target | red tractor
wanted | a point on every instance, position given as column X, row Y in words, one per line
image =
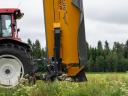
column 15, row 56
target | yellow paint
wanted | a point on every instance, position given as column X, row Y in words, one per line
column 56, row 25
column 66, row 15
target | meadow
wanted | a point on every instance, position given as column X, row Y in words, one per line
column 99, row 84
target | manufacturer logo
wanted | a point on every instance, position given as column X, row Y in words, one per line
column 62, row 5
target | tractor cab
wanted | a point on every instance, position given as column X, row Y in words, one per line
column 8, row 24
column 15, row 58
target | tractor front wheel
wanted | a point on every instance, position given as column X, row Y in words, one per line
column 15, row 62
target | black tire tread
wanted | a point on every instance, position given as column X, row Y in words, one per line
column 19, row 52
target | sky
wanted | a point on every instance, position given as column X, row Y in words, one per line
column 104, row 20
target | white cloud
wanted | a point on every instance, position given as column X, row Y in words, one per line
column 107, row 10
column 105, row 20
column 98, row 30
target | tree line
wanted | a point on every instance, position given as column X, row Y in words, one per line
column 39, row 55
column 100, row 59
column 106, row 59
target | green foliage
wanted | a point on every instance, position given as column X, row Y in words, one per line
column 39, row 53
column 100, row 59
column 105, row 59
column 109, row 84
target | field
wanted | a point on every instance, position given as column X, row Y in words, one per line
column 99, row 84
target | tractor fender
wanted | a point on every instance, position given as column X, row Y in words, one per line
column 16, row 42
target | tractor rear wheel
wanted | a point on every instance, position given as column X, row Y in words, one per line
column 80, row 77
column 15, row 62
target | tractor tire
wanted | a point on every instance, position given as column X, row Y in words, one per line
column 14, row 59
column 80, row 77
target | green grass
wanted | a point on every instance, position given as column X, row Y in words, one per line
column 99, row 84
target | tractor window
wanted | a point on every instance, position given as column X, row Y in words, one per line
column 6, row 25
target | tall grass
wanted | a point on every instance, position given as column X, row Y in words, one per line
column 111, row 84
